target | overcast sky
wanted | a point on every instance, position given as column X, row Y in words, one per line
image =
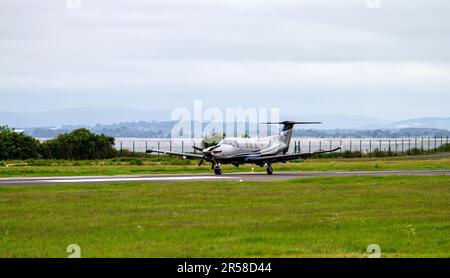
column 304, row 57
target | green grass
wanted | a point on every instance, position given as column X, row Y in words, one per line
column 166, row 165
column 314, row 217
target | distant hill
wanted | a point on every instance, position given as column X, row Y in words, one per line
column 110, row 115
column 332, row 121
column 439, row 123
column 124, row 122
column 163, row 129
column 80, row 116
column 372, row 133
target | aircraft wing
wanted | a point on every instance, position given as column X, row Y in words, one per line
column 185, row 155
column 285, row 157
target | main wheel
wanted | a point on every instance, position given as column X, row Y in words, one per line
column 269, row 170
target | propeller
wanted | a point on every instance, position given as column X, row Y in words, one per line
column 206, row 153
column 201, row 161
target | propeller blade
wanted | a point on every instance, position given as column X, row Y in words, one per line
column 197, row 149
column 201, row 162
column 210, row 149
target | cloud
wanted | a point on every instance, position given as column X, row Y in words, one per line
column 311, row 50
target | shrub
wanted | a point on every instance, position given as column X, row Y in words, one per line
column 209, row 141
column 444, row 148
column 16, row 145
column 80, row 144
column 136, row 161
column 351, row 154
column 378, row 153
column 414, row 151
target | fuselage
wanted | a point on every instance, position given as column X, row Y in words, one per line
column 233, row 149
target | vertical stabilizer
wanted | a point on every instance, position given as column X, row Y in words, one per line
column 286, row 132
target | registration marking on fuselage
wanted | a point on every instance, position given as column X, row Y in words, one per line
column 136, row 179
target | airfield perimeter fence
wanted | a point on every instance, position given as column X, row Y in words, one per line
column 351, row 147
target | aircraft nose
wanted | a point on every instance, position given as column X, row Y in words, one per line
column 223, row 150
column 217, row 150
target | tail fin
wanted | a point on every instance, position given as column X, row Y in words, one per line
column 286, row 132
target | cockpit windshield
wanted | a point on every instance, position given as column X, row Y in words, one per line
column 226, row 142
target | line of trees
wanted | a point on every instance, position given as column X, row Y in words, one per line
column 80, row 144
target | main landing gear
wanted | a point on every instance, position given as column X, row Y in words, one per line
column 269, row 169
column 218, row 170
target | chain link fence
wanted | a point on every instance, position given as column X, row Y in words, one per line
column 362, row 146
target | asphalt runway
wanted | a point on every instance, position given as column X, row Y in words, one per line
column 262, row 176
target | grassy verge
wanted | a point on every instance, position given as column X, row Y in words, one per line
column 317, row 217
column 165, row 165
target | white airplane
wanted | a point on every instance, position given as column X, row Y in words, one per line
column 260, row 151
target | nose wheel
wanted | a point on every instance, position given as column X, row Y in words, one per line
column 217, row 170
column 269, row 169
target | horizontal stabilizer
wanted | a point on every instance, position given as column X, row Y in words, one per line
column 291, row 123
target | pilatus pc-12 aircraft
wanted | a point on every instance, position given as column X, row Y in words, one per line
column 260, row 151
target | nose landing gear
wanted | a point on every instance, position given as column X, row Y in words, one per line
column 217, row 169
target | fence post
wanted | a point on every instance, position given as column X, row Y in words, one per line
column 422, row 145
column 146, row 148
column 121, row 146
column 158, row 147
column 389, row 147
column 360, row 148
column 350, row 145
column 170, row 145
column 428, row 144
column 331, row 146
column 134, row 149
column 182, row 146
column 380, row 146
column 370, row 148
column 415, row 143
column 396, row 147
column 403, row 146
column 310, row 146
